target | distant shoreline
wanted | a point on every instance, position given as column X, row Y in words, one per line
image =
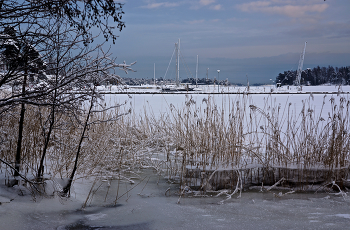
column 247, row 93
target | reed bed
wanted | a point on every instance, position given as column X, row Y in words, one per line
column 214, row 147
column 203, row 146
column 108, row 151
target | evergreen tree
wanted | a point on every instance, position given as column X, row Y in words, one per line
column 317, row 76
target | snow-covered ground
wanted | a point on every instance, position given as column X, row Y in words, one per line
column 228, row 89
column 159, row 104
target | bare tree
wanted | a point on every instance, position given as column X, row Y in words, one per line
column 59, row 33
column 33, row 18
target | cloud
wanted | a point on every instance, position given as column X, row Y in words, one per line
column 196, row 22
column 210, row 4
column 286, row 8
column 253, row 6
column 234, row 19
column 217, row 7
column 206, row 2
column 154, row 5
column 330, row 30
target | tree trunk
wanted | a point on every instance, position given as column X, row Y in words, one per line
column 66, row 189
column 20, row 130
column 47, row 139
column 52, row 114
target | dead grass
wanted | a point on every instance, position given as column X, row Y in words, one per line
column 202, row 145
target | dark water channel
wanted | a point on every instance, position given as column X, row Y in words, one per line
column 148, row 207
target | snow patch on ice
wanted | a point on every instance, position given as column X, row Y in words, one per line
column 346, row 216
column 4, row 200
column 97, row 216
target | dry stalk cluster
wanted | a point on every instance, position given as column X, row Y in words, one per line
column 112, row 149
column 203, row 146
column 211, row 147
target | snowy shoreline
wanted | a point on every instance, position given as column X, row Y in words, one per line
column 214, row 89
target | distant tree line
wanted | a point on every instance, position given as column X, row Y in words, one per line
column 317, row 76
column 205, row 81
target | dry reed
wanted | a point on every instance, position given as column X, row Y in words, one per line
column 202, row 145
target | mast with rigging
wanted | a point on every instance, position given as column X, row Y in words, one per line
column 300, row 67
column 178, row 63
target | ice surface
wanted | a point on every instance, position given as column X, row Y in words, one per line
column 160, row 104
column 347, row 216
column 155, row 210
column 264, row 89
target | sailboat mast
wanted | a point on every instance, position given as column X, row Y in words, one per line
column 300, row 67
column 178, row 64
column 154, row 77
column 197, row 71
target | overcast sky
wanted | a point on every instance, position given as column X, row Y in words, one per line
column 243, row 37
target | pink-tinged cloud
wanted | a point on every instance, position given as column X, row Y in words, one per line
column 287, row 10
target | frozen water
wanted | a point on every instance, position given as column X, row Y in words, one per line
column 147, row 207
column 159, row 104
